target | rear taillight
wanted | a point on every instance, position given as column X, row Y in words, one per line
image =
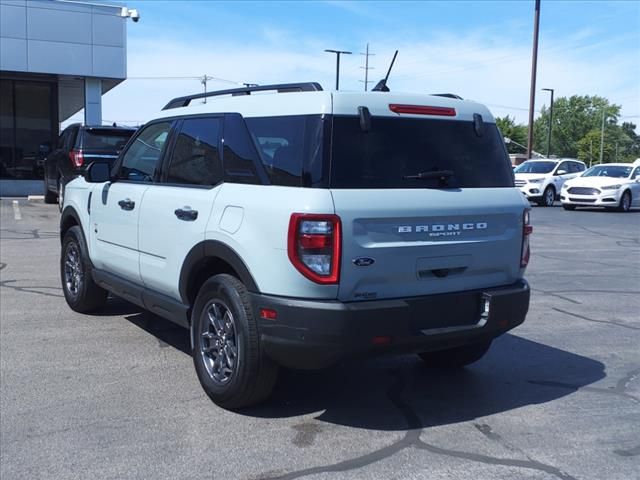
column 527, row 229
column 314, row 246
column 77, row 157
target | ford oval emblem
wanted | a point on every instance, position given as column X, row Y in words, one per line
column 363, row 261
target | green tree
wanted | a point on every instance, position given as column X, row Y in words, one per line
column 573, row 119
column 517, row 133
column 633, row 147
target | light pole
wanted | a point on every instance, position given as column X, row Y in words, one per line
column 534, row 66
column 602, row 137
column 338, row 52
column 550, row 120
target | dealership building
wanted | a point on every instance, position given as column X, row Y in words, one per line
column 56, row 58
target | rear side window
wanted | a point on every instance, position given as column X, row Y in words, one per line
column 239, row 153
column 396, row 149
column 103, row 139
column 195, row 159
column 291, row 149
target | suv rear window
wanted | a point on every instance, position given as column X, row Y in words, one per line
column 103, row 139
column 395, row 148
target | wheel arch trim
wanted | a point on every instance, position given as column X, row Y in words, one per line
column 69, row 213
column 213, row 249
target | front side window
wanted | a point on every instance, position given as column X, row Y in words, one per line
column 563, row 166
column 196, row 159
column 141, row 158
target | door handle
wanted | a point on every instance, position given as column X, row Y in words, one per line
column 127, row 204
column 186, row 214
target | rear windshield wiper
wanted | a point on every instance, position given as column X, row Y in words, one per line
column 441, row 175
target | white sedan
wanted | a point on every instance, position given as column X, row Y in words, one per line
column 609, row 185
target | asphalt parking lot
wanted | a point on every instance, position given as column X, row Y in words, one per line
column 116, row 396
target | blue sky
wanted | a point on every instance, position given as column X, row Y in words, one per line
column 478, row 49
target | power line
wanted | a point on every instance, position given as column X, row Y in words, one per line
column 195, row 77
column 366, row 68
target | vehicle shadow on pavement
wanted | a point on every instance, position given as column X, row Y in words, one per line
column 382, row 393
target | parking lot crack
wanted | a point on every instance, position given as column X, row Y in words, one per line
column 30, row 288
column 488, row 460
column 609, row 322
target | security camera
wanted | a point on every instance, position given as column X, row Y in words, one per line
column 135, row 15
column 132, row 13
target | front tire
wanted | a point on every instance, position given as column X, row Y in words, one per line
column 625, row 202
column 548, row 197
column 232, row 368
column 569, row 207
column 456, row 357
column 80, row 291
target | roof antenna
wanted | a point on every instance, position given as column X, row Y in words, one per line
column 381, row 86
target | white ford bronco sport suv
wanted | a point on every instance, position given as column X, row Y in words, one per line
column 300, row 227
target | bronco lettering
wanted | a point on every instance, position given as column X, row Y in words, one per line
column 442, row 227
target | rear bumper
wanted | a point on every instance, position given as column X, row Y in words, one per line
column 316, row 334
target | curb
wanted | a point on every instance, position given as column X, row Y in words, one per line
column 35, row 198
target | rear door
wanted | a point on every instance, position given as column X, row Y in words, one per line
column 175, row 212
column 427, row 206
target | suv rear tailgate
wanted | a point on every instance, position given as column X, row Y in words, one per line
column 471, row 240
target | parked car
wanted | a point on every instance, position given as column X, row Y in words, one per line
column 541, row 180
column 615, row 186
column 78, row 146
column 306, row 227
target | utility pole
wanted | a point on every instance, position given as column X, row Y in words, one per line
column 550, row 121
column 338, row 52
column 602, row 137
column 366, row 67
column 203, row 80
column 534, row 66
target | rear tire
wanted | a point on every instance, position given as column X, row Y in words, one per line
column 232, row 368
column 569, row 207
column 49, row 196
column 625, row 202
column 456, row 357
column 80, row 291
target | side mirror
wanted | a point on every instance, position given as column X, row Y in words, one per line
column 97, row 172
column 561, row 172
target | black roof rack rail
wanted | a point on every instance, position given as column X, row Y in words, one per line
column 280, row 88
column 448, row 95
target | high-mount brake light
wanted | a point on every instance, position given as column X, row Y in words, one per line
column 313, row 246
column 77, row 157
column 527, row 229
column 422, row 110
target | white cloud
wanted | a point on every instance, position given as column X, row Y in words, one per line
column 476, row 65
